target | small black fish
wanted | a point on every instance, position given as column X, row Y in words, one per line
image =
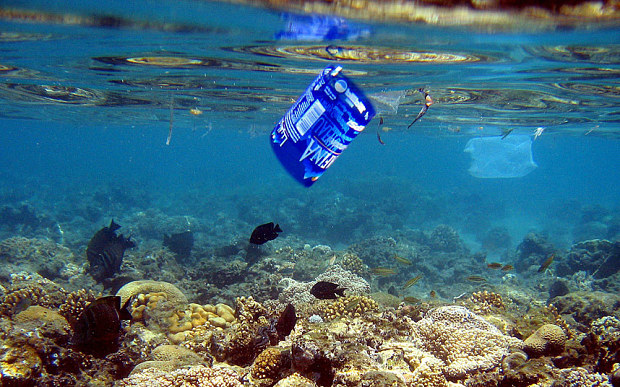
column 181, row 244
column 286, row 322
column 324, row 290
column 98, row 327
column 265, row 233
column 105, row 252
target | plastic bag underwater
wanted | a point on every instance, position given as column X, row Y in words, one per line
column 320, row 125
column 494, row 157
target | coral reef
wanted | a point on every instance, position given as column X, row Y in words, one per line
column 485, row 302
column 532, row 251
column 463, row 340
column 588, row 306
column 549, row 339
column 170, row 292
column 581, row 377
column 182, row 323
column 599, row 257
column 197, row 376
column 349, row 306
column 295, row 380
column 269, row 366
column 354, row 264
column 299, row 292
column 445, row 238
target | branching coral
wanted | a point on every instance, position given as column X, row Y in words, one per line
column 485, row 301
column 75, row 303
column 197, row 376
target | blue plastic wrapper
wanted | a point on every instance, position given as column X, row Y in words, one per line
column 320, row 125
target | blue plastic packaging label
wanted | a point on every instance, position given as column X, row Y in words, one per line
column 320, row 125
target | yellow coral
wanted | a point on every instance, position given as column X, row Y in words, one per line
column 463, row 340
column 295, row 380
column 38, row 317
column 197, row 376
column 354, row 264
column 547, row 340
column 181, row 322
column 19, row 366
column 268, row 365
column 349, row 306
column 75, row 303
column 485, row 301
column 156, row 288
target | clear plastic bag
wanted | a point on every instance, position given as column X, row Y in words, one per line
column 494, row 157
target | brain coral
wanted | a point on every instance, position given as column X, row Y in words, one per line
column 134, row 288
column 197, row 376
column 463, row 340
column 547, row 340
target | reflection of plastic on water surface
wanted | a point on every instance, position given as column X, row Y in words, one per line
column 319, row 27
column 494, row 157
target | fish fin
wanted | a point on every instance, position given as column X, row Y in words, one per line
column 114, row 226
column 277, row 228
column 123, row 312
column 340, row 291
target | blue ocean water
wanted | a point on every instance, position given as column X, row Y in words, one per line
column 78, row 111
column 157, row 115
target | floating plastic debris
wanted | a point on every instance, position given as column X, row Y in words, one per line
column 320, row 125
column 494, row 157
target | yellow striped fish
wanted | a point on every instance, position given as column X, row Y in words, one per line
column 402, row 260
column 412, row 281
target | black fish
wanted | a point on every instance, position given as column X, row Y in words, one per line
column 286, row 322
column 105, row 252
column 324, row 290
column 264, row 233
column 181, row 244
column 98, row 328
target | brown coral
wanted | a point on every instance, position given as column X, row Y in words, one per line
column 268, row 366
column 349, row 306
column 16, row 300
column 75, row 303
column 485, row 302
column 295, row 380
column 463, row 340
column 549, row 339
column 170, row 292
column 353, row 263
column 197, row 376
